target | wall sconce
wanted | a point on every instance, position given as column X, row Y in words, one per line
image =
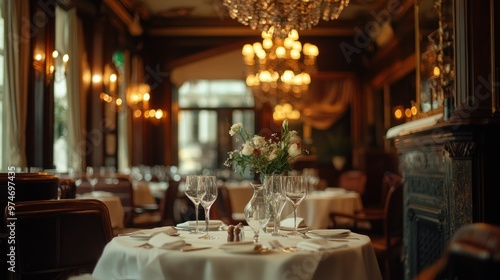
column 138, row 100
column 110, row 85
column 400, row 112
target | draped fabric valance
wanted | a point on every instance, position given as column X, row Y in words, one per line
column 326, row 101
column 329, row 94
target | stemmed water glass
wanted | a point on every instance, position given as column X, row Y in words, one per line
column 193, row 193
column 207, row 188
column 275, row 194
column 92, row 177
column 295, row 191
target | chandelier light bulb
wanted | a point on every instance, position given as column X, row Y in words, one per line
column 247, row 50
column 267, row 43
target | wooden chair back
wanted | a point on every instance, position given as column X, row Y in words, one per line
column 167, row 205
column 56, row 239
column 353, row 180
column 118, row 186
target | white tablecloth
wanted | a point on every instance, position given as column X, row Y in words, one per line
column 317, row 205
column 112, row 202
column 123, row 259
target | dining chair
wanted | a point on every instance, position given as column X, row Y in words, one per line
column 117, row 185
column 168, row 204
column 27, row 187
column 228, row 216
column 386, row 242
column 353, row 180
column 56, row 239
column 473, row 253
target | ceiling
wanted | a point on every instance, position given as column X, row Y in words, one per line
column 210, row 17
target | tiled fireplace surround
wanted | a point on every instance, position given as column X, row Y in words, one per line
column 451, row 174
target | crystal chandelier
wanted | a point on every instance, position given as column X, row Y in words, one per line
column 284, row 15
column 276, row 69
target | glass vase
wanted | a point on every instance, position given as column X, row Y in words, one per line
column 257, row 210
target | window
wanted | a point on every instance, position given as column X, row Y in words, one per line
column 207, row 108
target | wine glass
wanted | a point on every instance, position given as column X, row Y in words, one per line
column 192, row 191
column 275, row 194
column 257, row 211
column 295, row 191
column 92, row 177
column 207, row 191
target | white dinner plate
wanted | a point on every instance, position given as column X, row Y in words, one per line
column 330, row 233
column 302, row 228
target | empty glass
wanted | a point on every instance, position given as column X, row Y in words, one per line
column 92, row 177
column 207, row 188
column 295, row 191
column 194, row 194
column 275, row 194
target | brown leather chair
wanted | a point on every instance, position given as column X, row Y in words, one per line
column 56, row 239
column 473, row 253
column 387, row 243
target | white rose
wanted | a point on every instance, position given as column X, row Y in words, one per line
column 247, row 149
column 273, row 155
column 235, row 128
column 294, row 150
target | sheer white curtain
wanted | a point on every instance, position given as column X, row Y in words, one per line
column 78, row 82
column 17, row 58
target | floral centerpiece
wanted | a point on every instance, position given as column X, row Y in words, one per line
column 264, row 156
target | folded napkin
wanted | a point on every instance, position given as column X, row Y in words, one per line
column 241, row 247
column 165, row 241
column 201, row 223
column 288, row 223
column 148, row 233
column 318, row 244
column 101, row 194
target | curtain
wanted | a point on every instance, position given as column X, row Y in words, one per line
column 17, row 58
column 326, row 101
column 124, row 119
column 78, row 83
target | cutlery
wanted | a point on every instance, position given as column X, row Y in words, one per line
column 304, row 235
column 275, row 244
column 189, row 249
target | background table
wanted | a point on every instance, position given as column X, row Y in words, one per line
column 317, row 205
column 123, row 259
column 112, row 202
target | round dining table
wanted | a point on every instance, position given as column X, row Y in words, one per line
column 316, row 207
column 127, row 257
column 112, row 202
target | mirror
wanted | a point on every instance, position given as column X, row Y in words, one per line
column 435, row 56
